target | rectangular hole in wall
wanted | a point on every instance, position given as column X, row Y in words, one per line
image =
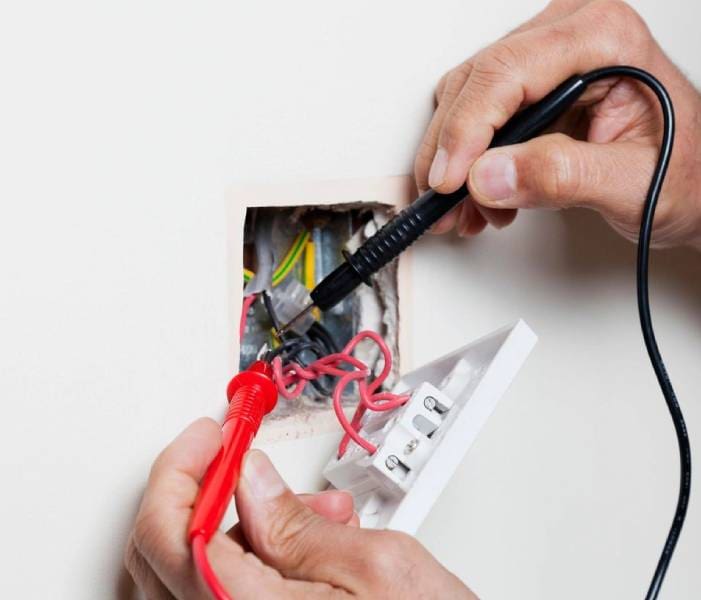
column 295, row 247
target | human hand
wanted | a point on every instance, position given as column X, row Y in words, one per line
column 286, row 546
column 600, row 155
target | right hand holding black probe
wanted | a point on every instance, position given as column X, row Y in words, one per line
column 412, row 222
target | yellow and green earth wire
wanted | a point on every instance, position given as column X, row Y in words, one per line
column 288, row 262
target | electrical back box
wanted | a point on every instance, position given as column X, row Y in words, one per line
column 347, row 211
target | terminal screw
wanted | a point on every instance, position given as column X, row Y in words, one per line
column 392, row 462
column 430, row 402
column 411, row 446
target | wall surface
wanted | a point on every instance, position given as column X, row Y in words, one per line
column 121, row 126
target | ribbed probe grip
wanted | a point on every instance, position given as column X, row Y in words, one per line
column 245, row 405
column 411, row 223
column 402, row 231
column 252, row 394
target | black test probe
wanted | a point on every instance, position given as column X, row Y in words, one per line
column 405, row 228
column 412, row 222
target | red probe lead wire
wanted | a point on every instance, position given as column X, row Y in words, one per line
column 251, row 394
column 199, row 553
column 245, row 307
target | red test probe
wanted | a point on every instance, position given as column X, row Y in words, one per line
column 252, row 395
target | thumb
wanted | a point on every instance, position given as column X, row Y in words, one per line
column 556, row 171
column 284, row 532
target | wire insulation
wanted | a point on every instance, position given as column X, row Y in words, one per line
column 199, row 553
column 288, row 262
column 292, row 378
column 247, row 303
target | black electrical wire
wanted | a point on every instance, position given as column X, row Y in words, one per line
column 644, row 309
column 318, row 342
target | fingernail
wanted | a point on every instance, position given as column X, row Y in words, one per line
column 436, row 174
column 493, row 177
column 263, row 480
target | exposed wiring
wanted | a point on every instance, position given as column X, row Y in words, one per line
column 291, row 258
column 658, row 366
column 292, row 378
column 199, row 553
column 287, row 263
column 317, row 342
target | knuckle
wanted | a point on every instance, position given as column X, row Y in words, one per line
column 148, row 536
column 134, row 560
column 392, row 553
column 289, row 532
column 499, row 62
column 558, row 177
column 496, row 83
column 131, row 557
column 453, row 81
column 624, row 31
column 618, row 11
column 455, row 127
column 425, row 153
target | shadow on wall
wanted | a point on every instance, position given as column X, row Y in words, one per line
column 595, row 251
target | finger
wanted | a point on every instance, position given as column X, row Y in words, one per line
column 447, row 221
column 522, row 69
column 496, row 217
column 452, row 82
column 161, row 524
column 471, row 221
column 555, row 171
column 286, row 534
column 160, row 533
column 246, row 577
column 335, row 505
column 448, row 89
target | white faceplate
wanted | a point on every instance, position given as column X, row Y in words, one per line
column 421, row 444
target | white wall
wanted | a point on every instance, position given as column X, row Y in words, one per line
column 121, row 125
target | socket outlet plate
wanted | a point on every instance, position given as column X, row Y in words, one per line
column 421, row 444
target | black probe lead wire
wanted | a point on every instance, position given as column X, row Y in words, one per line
column 644, row 309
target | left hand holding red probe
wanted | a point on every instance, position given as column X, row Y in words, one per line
column 286, row 546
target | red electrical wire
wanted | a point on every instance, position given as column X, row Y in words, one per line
column 292, row 378
column 247, row 303
column 199, row 553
